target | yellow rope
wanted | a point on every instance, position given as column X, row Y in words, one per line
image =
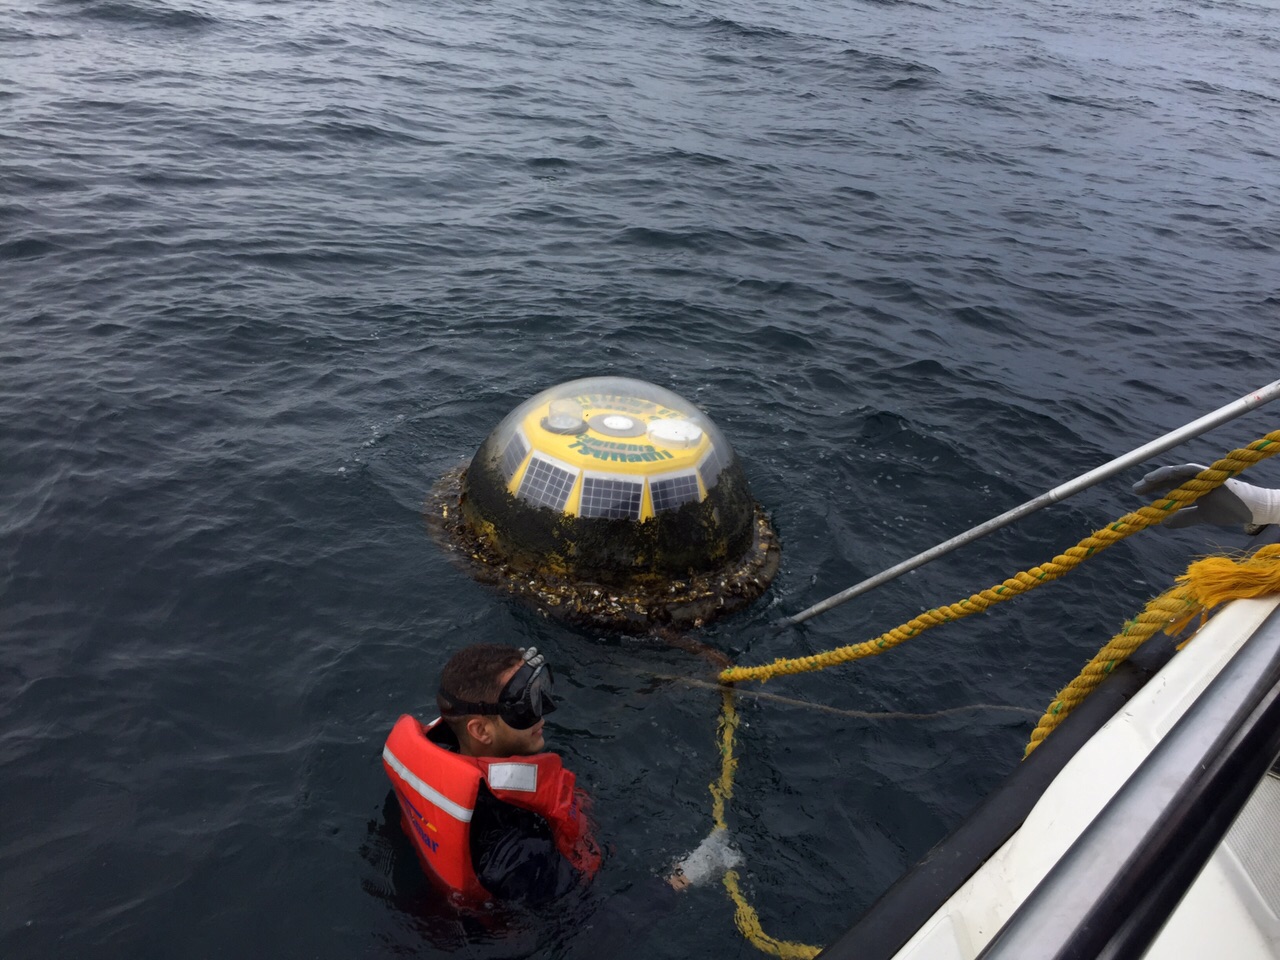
column 1159, row 613
column 1154, row 513
column 1206, row 584
column 745, row 916
column 722, row 789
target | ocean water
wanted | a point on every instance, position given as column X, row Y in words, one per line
column 270, row 268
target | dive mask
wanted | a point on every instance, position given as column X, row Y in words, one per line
column 524, row 700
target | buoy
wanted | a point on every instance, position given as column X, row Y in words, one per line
column 611, row 502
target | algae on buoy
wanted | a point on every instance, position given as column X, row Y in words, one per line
column 612, row 502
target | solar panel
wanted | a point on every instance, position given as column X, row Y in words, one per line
column 514, row 455
column 710, row 468
column 546, row 484
column 609, row 497
column 670, row 492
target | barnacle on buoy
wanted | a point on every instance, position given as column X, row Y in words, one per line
column 612, row 502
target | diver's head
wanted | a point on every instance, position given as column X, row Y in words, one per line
column 494, row 698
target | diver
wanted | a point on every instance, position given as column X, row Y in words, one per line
column 491, row 814
column 1235, row 502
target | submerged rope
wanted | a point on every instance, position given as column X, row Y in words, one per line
column 1206, row 584
column 744, row 915
column 1154, row 513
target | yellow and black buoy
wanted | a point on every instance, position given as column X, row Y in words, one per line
column 611, row 502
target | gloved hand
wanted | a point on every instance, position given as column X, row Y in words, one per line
column 712, row 857
column 1233, row 502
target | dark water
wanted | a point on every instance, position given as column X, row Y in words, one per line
column 268, row 269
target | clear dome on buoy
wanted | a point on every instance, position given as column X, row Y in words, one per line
column 616, row 487
column 607, row 447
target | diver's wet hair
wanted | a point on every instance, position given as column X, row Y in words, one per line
column 473, row 674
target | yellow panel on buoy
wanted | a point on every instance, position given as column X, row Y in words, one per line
column 625, row 453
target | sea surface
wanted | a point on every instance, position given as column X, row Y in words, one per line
column 268, row 269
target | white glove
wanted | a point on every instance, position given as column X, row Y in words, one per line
column 712, row 857
column 1233, row 502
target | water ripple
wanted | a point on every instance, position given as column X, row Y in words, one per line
column 270, row 268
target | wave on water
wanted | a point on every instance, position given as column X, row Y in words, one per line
column 272, row 268
column 152, row 14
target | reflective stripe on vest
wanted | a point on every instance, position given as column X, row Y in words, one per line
column 426, row 791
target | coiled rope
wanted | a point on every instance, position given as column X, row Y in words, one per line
column 1197, row 592
column 1154, row 513
column 1206, row 584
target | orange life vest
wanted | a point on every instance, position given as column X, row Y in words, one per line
column 437, row 791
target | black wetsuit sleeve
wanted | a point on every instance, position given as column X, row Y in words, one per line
column 515, row 855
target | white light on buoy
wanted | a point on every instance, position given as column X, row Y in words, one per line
column 674, row 433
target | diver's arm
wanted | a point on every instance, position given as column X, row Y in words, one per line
column 708, row 860
column 520, row 868
column 515, row 855
column 641, row 913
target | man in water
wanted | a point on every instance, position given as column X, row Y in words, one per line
column 490, row 813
